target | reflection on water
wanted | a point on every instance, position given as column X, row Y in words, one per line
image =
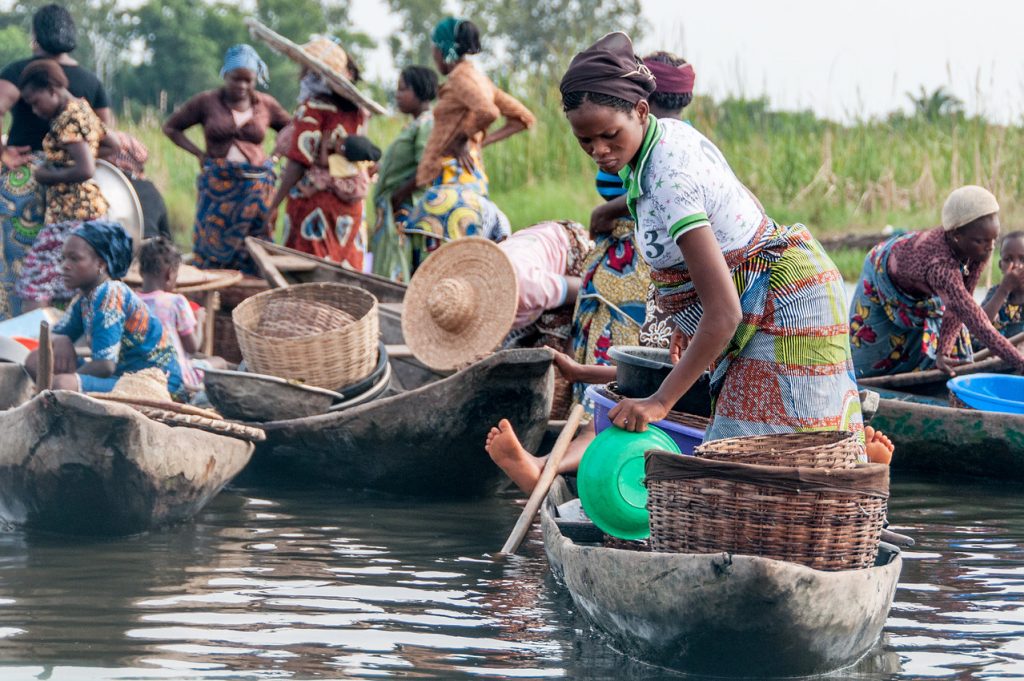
column 310, row 584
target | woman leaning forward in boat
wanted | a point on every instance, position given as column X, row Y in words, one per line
column 775, row 331
column 915, row 295
column 125, row 336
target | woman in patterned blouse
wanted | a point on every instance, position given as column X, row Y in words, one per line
column 70, row 149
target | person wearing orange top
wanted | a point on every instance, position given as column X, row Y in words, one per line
column 456, row 200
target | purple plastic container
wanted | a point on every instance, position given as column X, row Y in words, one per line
column 686, row 437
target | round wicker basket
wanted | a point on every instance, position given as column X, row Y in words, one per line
column 819, row 449
column 323, row 334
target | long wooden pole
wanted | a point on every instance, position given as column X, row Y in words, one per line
column 547, row 476
column 44, row 357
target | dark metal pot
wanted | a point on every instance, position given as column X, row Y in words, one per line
column 640, row 372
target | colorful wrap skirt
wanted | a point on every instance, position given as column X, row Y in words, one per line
column 611, row 306
column 454, row 206
column 788, row 366
column 891, row 332
column 323, row 225
column 232, row 204
column 391, row 248
column 41, row 279
column 21, row 219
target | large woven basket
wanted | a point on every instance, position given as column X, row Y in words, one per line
column 334, row 334
column 827, row 519
column 825, row 449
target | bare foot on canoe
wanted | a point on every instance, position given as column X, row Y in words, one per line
column 878, row 446
column 506, row 451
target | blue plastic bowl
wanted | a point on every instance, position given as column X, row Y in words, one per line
column 990, row 392
column 686, row 437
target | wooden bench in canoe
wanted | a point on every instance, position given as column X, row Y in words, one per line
column 423, row 442
column 720, row 614
column 72, row 464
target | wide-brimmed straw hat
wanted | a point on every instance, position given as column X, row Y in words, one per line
column 461, row 303
column 321, row 55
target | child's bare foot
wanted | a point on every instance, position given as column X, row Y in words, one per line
column 878, row 446
column 506, row 451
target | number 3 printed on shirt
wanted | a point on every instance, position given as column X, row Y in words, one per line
column 654, row 250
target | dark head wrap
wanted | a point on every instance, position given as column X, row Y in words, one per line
column 609, row 67
column 672, row 80
column 111, row 242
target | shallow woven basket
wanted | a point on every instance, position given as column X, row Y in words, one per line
column 322, row 357
column 825, row 449
column 827, row 519
column 297, row 318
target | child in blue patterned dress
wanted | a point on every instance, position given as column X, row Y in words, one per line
column 125, row 336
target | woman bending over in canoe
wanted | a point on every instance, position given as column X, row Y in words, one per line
column 915, row 295
column 125, row 336
column 776, row 331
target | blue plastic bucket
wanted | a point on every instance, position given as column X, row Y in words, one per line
column 686, row 437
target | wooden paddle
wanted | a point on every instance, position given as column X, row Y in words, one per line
column 547, row 476
column 44, row 359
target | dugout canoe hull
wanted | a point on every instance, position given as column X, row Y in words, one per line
column 721, row 614
column 16, row 386
column 71, row 464
column 936, row 439
column 423, row 442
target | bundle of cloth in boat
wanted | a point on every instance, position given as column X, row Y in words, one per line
column 799, row 497
column 322, row 334
column 473, row 296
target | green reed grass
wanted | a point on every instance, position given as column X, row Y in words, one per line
column 837, row 179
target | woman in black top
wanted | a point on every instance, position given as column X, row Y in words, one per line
column 21, row 211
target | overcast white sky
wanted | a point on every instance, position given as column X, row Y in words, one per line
column 843, row 59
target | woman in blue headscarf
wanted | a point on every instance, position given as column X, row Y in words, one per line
column 125, row 336
column 236, row 179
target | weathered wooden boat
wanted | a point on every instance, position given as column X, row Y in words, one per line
column 72, row 464
column 16, row 386
column 245, row 396
column 934, row 438
column 720, row 614
column 423, row 442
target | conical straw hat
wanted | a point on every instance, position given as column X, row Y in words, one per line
column 461, row 303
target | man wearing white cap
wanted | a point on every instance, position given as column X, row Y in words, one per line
column 915, row 295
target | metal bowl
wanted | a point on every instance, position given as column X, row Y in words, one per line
column 124, row 205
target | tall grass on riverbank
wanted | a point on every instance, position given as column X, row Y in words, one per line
column 837, row 179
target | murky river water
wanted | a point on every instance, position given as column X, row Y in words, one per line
column 322, row 584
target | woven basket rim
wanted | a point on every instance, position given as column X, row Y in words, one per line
column 297, row 289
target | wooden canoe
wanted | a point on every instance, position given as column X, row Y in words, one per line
column 721, row 614
column 423, row 442
column 932, row 437
column 16, row 386
column 71, row 464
